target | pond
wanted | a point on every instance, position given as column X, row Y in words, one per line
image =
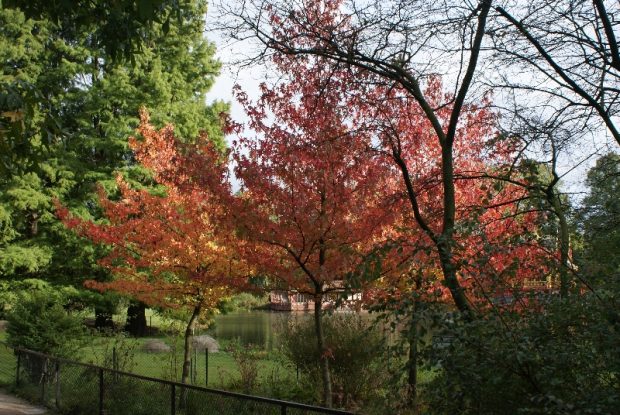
column 254, row 327
column 258, row 328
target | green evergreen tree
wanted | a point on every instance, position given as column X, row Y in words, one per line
column 600, row 219
column 68, row 103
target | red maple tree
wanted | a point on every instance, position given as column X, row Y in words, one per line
column 482, row 236
column 493, row 228
column 325, row 36
column 312, row 203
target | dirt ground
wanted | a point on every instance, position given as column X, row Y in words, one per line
column 10, row 405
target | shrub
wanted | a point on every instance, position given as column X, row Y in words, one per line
column 246, row 358
column 39, row 322
column 564, row 359
column 357, row 369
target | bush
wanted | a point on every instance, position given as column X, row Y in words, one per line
column 562, row 360
column 246, row 358
column 39, row 322
column 357, row 368
column 243, row 302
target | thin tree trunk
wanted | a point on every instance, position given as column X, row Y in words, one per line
column 445, row 240
column 412, row 370
column 34, row 223
column 324, row 356
column 187, row 355
column 448, row 269
column 187, row 344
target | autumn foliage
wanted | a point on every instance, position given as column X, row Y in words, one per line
column 175, row 249
column 399, row 175
column 495, row 243
column 312, row 204
column 312, row 200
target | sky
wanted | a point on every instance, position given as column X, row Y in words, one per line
column 231, row 73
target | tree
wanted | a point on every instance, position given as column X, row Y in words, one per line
column 120, row 24
column 41, row 320
column 312, row 204
column 68, row 104
column 599, row 219
column 495, row 241
column 174, row 249
column 379, row 41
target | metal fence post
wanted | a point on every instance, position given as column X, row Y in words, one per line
column 19, row 361
column 283, row 410
column 101, row 392
column 173, row 400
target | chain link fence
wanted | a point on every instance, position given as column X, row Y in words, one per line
column 79, row 388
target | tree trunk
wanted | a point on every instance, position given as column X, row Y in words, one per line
column 448, row 269
column 323, row 353
column 187, row 344
column 136, row 319
column 103, row 318
column 564, row 244
column 34, row 223
column 412, row 370
column 444, row 241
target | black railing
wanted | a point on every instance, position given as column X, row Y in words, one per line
column 81, row 388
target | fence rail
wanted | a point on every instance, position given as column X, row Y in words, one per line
column 82, row 388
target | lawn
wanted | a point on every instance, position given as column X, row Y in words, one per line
column 223, row 370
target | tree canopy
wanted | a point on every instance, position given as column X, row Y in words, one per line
column 67, row 106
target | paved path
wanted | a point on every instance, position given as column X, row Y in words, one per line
column 10, row 405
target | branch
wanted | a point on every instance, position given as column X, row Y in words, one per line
column 558, row 69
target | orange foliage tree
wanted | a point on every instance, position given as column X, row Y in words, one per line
column 175, row 249
column 494, row 239
column 383, row 77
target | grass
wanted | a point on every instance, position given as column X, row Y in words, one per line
column 223, row 371
column 79, row 386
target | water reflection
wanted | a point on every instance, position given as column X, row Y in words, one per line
column 255, row 327
column 259, row 328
